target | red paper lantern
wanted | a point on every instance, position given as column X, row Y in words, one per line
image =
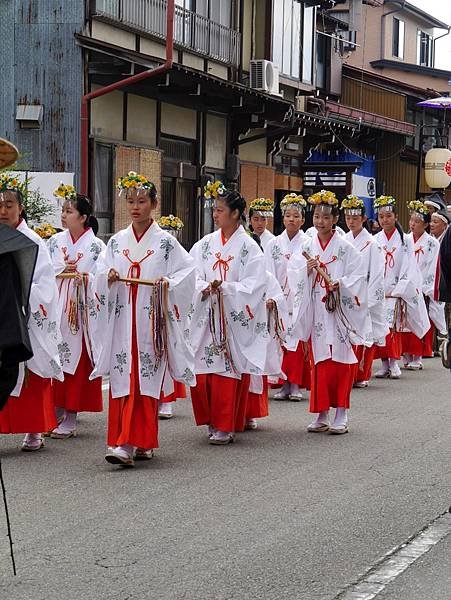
column 448, row 167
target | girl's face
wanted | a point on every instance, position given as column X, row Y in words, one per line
column 10, row 208
column 324, row 221
column 387, row 220
column 417, row 225
column 139, row 205
column 71, row 218
column 355, row 223
column 293, row 220
column 223, row 217
column 258, row 223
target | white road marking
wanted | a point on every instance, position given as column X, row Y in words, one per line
column 395, row 562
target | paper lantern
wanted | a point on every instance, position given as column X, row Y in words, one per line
column 448, row 167
column 434, row 168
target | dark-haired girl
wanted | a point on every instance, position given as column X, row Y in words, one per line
column 141, row 326
column 405, row 307
column 228, row 325
column 426, row 250
column 74, row 252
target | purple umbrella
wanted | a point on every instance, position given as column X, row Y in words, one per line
column 442, row 102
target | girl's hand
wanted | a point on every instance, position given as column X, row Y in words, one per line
column 270, row 304
column 113, row 276
column 311, row 264
column 334, row 287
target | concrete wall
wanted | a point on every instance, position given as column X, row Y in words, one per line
column 113, row 35
column 179, row 121
column 254, row 151
column 141, row 120
column 107, row 115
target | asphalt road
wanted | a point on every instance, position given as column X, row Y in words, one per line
column 279, row 514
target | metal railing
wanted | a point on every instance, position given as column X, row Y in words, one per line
column 191, row 30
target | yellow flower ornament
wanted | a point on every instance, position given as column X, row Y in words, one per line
column 134, row 180
column 293, row 200
column 65, row 192
column 416, row 206
column 323, row 197
column 262, row 206
column 10, row 183
column 385, row 203
column 353, row 205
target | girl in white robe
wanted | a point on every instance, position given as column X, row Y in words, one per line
column 141, row 326
column 260, row 210
column 280, row 251
column 228, row 325
column 331, row 313
column 373, row 262
column 30, row 407
column 74, row 252
column 426, row 249
column 404, row 306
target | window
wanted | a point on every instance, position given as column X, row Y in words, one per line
column 424, row 49
column 103, row 192
column 398, row 38
column 293, row 39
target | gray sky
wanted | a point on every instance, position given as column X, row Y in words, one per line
column 441, row 9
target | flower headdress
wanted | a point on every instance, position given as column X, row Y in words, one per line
column 10, row 183
column 353, row 205
column 45, row 230
column 293, row 200
column 263, row 206
column 65, row 191
column 418, row 207
column 134, row 180
column 323, row 197
column 212, row 190
column 387, row 202
column 171, row 224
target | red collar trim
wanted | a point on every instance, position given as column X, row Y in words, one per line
column 75, row 240
column 223, row 238
column 390, row 235
column 323, row 247
column 20, row 221
column 138, row 237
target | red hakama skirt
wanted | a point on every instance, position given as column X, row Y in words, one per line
column 365, row 356
column 331, row 385
column 133, row 419
column 257, row 404
column 392, row 348
column 179, row 392
column 31, row 412
column 76, row 393
column 296, row 366
column 220, row 401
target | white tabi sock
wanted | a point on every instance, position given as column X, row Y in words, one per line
column 128, row 448
column 341, row 417
column 294, row 388
column 323, row 417
column 68, row 423
column 60, row 413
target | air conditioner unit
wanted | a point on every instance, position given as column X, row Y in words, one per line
column 265, row 76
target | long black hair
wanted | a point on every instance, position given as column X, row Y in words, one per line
column 84, row 206
column 235, row 201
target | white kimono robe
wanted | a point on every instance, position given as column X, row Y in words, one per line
column 374, row 264
column 240, row 264
column 277, row 333
column 277, row 256
column 331, row 338
column 85, row 252
column 427, row 250
column 159, row 255
column 403, row 280
column 43, row 324
column 265, row 238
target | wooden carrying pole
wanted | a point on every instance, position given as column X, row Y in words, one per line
column 319, row 270
column 122, row 279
